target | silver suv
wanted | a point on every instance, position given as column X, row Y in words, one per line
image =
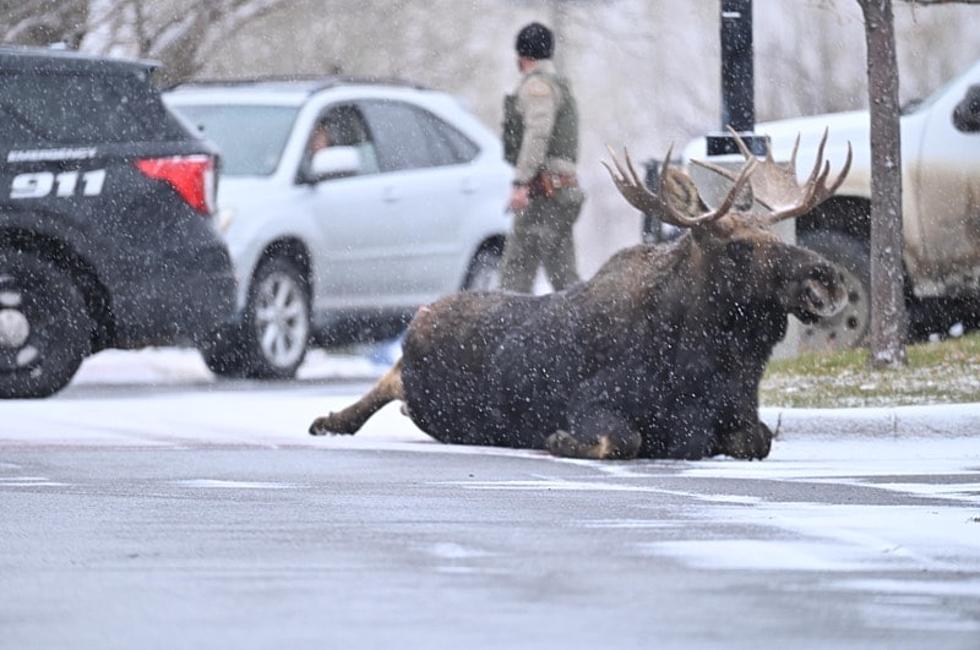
column 348, row 204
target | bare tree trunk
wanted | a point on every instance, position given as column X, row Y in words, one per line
column 888, row 317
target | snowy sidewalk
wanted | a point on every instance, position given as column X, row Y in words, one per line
column 933, row 420
column 168, row 397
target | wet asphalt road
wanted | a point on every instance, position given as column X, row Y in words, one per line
column 377, row 544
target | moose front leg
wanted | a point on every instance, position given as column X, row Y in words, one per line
column 599, row 434
column 750, row 442
column 349, row 420
column 738, row 431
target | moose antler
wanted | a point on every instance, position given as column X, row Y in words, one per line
column 775, row 186
column 635, row 192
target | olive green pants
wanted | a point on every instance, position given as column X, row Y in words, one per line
column 542, row 236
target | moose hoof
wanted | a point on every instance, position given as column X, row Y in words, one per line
column 330, row 425
column 562, row 443
column 748, row 444
column 606, row 446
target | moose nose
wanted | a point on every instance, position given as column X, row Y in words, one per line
column 813, row 297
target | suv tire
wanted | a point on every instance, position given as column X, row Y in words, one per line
column 224, row 353
column 851, row 327
column 271, row 340
column 45, row 327
column 484, row 271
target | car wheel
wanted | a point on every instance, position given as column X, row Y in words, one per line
column 484, row 271
column 276, row 326
column 851, row 326
column 224, row 352
column 45, row 327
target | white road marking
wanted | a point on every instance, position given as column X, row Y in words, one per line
column 234, row 485
column 453, row 551
column 29, row 481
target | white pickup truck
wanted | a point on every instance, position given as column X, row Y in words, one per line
column 941, row 208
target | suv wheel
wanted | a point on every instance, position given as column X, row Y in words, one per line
column 484, row 272
column 45, row 327
column 851, row 326
column 271, row 341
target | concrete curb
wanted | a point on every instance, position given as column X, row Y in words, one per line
column 935, row 420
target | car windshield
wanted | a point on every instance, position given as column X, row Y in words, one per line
column 251, row 138
column 918, row 105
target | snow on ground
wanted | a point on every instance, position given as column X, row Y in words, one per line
column 170, row 366
column 267, row 417
column 891, row 524
column 884, row 503
column 934, row 419
column 117, row 404
column 112, row 401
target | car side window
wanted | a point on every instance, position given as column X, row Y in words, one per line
column 401, row 140
column 343, row 126
column 453, row 147
column 441, row 152
column 410, row 137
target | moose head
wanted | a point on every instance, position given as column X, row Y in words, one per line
column 803, row 283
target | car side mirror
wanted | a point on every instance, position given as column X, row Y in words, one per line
column 966, row 115
column 334, row 162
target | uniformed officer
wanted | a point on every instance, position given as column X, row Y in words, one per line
column 541, row 141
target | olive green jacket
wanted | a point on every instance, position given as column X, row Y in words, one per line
column 541, row 123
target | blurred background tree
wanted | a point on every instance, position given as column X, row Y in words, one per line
column 181, row 35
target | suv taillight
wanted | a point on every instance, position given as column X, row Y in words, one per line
column 192, row 176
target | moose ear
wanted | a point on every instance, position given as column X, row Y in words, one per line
column 683, row 194
column 745, row 198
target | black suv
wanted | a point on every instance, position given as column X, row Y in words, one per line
column 106, row 228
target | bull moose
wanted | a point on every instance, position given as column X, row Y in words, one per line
column 659, row 355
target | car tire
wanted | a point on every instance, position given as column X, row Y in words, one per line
column 484, row 271
column 850, row 328
column 272, row 338
column 45, row 326
column 224, row 352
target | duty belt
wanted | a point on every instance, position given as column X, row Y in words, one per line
column 546, row 183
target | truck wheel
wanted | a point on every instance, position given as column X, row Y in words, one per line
column 45, row 327
column 271, row 340
column 484, row 272
column 849, row 328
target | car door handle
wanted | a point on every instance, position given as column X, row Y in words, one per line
column 389, row 195
column 468, row 186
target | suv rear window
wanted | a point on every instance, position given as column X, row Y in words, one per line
column 251, row 138
column 58, row 108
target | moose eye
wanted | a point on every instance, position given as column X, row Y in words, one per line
column 740, row 252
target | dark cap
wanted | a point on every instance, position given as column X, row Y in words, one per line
column 535, row 41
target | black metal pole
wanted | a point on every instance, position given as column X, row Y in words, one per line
column 737, row 80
